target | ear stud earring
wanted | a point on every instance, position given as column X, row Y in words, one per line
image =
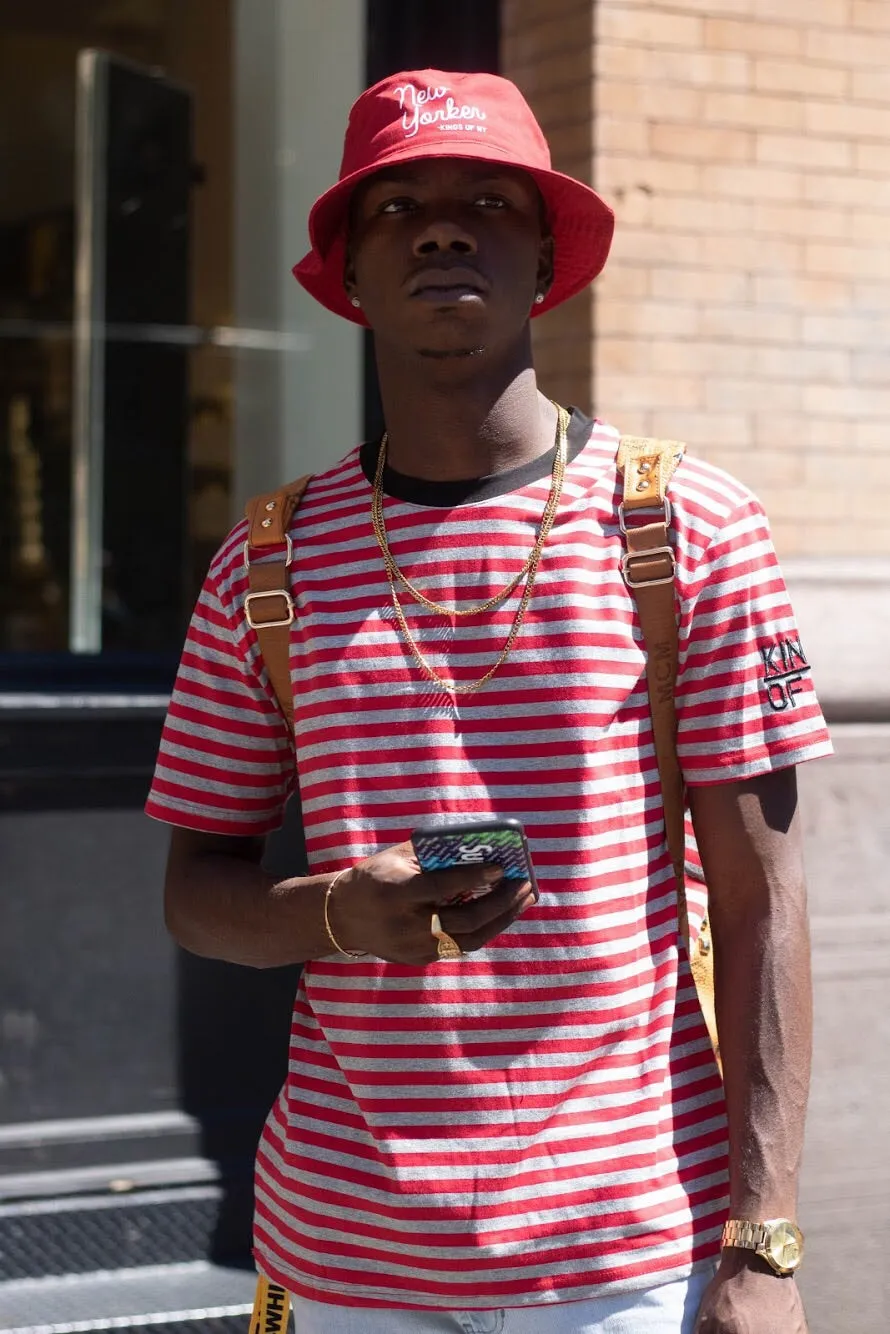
column 355, row 302
column 539, row 297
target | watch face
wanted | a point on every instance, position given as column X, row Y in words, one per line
column 784, row 1249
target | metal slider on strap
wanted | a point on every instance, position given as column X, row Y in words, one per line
column 288, row 558
column 269, row 593
column 630, row 557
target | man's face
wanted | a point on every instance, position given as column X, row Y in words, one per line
column 446, row 255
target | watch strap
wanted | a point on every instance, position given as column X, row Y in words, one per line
column 741, row 1232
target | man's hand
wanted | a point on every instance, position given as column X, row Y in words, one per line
column 746, row 1297
column 384, row 905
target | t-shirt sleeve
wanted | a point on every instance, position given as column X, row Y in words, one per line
column 746, row 703
column 226, row 764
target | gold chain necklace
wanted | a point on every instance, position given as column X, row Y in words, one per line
column 529, row 569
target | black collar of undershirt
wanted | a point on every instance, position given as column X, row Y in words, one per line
column 470, row 490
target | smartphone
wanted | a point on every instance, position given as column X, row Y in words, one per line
column 476, row 843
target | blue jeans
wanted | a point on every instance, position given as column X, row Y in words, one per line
column 670, row 1308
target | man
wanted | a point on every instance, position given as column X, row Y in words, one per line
column 533, row 1135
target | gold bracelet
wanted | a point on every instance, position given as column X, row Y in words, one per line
column 352, row 954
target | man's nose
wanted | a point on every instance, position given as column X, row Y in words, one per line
column 442, row 234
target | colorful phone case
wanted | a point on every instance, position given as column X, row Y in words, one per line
column 502, row 842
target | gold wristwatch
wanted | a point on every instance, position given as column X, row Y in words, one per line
column 778, row 1241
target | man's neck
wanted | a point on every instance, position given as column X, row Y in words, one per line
column 447, row 427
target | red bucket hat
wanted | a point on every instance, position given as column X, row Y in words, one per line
column 427, row 114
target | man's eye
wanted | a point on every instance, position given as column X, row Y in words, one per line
column 491, row 201
column 396, row 206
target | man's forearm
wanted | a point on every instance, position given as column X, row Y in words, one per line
column 749, row 837
column 227, row 907
column 764, row 1017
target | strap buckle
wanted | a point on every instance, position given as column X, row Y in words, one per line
column 269, row 593
column 627, row 564
column 289, row 559
column 664, row 514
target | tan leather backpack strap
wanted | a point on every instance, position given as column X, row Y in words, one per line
column 269, row 606
column 648, row 567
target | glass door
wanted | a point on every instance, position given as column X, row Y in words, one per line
column 128, row 586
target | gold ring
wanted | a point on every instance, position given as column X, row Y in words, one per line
column 448, row 947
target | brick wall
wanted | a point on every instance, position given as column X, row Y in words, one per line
column 547, row 48
column 745, row 145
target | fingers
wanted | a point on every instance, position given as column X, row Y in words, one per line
column 473, row 925
column 478, row 913
column 445, row 886
column 471, row 883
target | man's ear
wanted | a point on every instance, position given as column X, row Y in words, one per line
column 545, row 264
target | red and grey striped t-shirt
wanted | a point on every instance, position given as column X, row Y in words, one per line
column 541, row 1121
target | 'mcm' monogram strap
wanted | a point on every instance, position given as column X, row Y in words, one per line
column 648, row 566
column 268, row 606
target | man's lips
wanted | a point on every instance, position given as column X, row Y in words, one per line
column 436, row 284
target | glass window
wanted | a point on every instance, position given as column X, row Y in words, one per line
column 115, row 296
